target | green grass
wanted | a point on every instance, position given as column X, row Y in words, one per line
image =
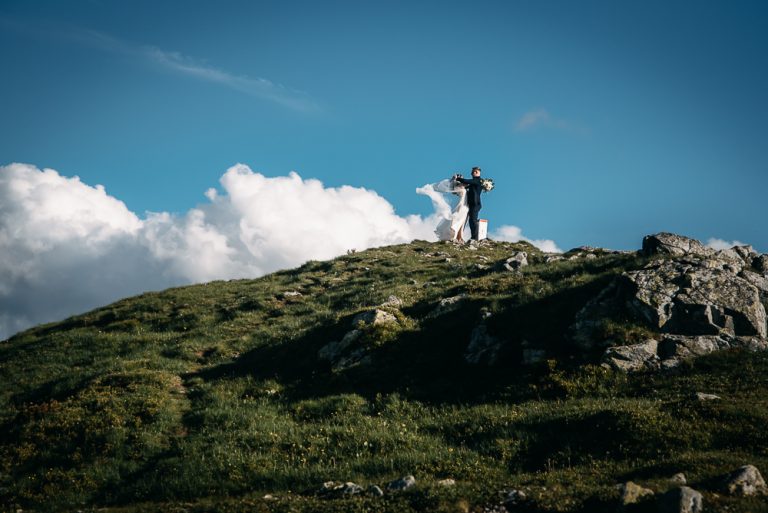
column 206, row 398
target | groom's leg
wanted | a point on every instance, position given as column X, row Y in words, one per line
column 473, row 222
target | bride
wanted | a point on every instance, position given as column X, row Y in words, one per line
column 453, row 218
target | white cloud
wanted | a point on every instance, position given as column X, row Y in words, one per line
column 511, row 233
column 715, row 243
column 68, row 247
column 173, row 61
column 541, row 118
column 259, row 87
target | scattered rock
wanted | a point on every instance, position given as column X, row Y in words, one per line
column 292, row 293
column 375, row 491
column 393, row 301
column 553, row 258
column 514, row 498
column 447, row 305
column 447, row 482
column 671, row 350
column 681, row 500
column 678, row 479
column 671, row 244
column 403, row 483
column 701, row 396
column 331, row 351
column 631, row 493
column 373, row 317
column 634, row 357
column 518, row 260
column 745, row 481
column 483, row 347
column 334, row 489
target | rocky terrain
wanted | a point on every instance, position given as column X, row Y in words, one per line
column 485, row 377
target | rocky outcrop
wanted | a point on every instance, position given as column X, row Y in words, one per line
column 698, row 299
column 671, row 350
column 695, row 297
column 671, row 244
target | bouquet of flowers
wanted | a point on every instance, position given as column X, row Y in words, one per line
column 487, row 184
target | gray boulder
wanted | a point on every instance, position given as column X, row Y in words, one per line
column 671, row 244
column 681, row 500
column 745, row 481
column 401, row 484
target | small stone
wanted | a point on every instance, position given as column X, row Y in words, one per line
column 518, row 260
column 746, row 481
column 269, row 497
column 631, row 493
column 447, row 482
column 375, row 491
column 393, row 301
column 373, row 317
column 401, row 484
column 448, row 304
column 291, row 293
column 514, row 498
column 701, row 396
column 681, row 500
column 678, row 479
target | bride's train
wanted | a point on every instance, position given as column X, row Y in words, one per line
column 454, row 214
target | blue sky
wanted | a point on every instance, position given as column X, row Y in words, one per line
column 600, row 121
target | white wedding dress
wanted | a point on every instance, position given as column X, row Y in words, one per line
column 453, row 216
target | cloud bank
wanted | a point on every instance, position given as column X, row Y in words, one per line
column 68, row 247
column 716, row 243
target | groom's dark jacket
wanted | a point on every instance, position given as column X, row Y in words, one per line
column 473, row 192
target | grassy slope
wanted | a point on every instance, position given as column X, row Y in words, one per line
column 207, row 397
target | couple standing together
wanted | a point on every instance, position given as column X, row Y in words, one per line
column 467, row 207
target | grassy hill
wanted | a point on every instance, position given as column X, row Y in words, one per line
column 211, row 397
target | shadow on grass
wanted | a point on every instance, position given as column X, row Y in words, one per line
column 425, row 363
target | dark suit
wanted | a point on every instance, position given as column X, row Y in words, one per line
column 473, row 202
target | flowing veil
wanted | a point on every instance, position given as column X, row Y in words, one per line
column 452, row 215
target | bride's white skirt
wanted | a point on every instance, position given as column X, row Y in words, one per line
column 453, row 217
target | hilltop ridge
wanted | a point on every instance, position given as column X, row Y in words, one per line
column 493, row 364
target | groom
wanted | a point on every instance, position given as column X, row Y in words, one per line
column 473, row 199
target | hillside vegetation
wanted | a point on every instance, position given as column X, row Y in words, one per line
column 213, row 397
